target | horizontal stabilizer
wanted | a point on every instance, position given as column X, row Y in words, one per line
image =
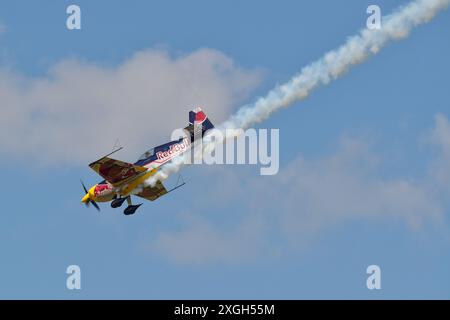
column 153, row 193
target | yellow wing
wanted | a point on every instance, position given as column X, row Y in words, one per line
column 153, row 193
column 116, row 172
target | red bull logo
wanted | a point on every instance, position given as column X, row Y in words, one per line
column 101, row 188
column 200, row 117
column 174, row 149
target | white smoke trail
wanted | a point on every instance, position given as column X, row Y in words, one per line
column 337, row 62
column 331, row 66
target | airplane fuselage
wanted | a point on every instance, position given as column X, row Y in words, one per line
column 122, row 179
column 105, row 191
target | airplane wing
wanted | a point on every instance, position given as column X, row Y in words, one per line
column 153, row 193
column 116, row 172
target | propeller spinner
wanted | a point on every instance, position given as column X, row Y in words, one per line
column 87, row 198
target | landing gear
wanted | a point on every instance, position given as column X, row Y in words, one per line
column 116, row 203
column 131, row 209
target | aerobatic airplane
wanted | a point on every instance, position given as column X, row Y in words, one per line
column 121, row 179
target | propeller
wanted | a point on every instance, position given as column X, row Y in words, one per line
column 89, row 200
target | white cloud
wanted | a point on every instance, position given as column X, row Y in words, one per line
column 343, row 187
column 306, row 198
column 76, row 112
column 201, row 242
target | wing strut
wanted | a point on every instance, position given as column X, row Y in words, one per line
column 178, row 184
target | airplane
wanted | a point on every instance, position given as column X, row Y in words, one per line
column 122, row 179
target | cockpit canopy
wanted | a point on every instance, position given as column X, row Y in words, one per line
column 147, row 154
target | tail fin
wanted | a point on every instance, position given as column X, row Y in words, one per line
column 198, row 122
column 198, row 117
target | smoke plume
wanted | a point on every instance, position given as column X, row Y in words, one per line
column 331, row 66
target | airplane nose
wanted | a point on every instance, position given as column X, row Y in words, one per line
column 90, row 195
column 85, row 198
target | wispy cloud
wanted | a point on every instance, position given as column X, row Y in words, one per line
column 310, row 196
column 76, row 112
column 201, row 242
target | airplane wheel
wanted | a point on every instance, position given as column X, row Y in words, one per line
column 116, row 203
column 131, row 209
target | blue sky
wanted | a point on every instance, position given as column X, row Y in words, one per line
column 364, row 177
